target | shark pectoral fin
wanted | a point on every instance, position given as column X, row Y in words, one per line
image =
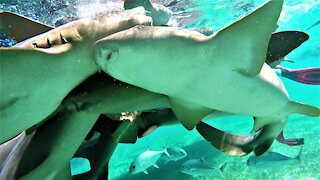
column 282, row 43
column 249, row 37
column 268, row 131
column 267, row 134
column 258, row 123
column 12, row 24
column 127, row 132
column 228, row 143
column 156, row 166
column 263, row 147
column 188, row 114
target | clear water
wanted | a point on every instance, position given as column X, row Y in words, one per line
column 215, row 14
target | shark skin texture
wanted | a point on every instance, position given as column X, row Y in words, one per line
column 214, row 79
column 159, row 13
column 93, row 105
column 38, row 73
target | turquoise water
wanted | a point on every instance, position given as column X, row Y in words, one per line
column 296, row 15
column 216, row 14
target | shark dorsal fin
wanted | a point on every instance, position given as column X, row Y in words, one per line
column 12, row 24
column 249, row 38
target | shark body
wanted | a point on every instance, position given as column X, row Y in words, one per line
column 223, row 72
column 39, row 72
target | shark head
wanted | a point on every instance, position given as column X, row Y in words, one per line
column 145, row 56
column 162, row 58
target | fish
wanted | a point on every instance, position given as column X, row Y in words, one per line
column 201, row 168
column 176, row 153
column 49, row 65
column 145, row 160
column 273, row 161
column 202, row 74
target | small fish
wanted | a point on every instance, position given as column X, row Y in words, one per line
column 176, row 153
column 200, row 167
column 145, row 160
column 272, row 161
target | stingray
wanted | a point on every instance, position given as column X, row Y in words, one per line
column 223, row 72
column 39, row 72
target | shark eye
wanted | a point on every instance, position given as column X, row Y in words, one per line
column 133, row 167
column 108, row 55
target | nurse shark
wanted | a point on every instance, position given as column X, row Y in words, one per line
column 45, row 43
column 223, row 72
column 48, row 66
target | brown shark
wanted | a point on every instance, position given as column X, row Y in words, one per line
column 39, row 72
column 214, row 79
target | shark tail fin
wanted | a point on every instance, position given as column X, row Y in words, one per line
column 305, row 109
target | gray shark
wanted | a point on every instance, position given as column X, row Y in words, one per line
column 214, row 79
